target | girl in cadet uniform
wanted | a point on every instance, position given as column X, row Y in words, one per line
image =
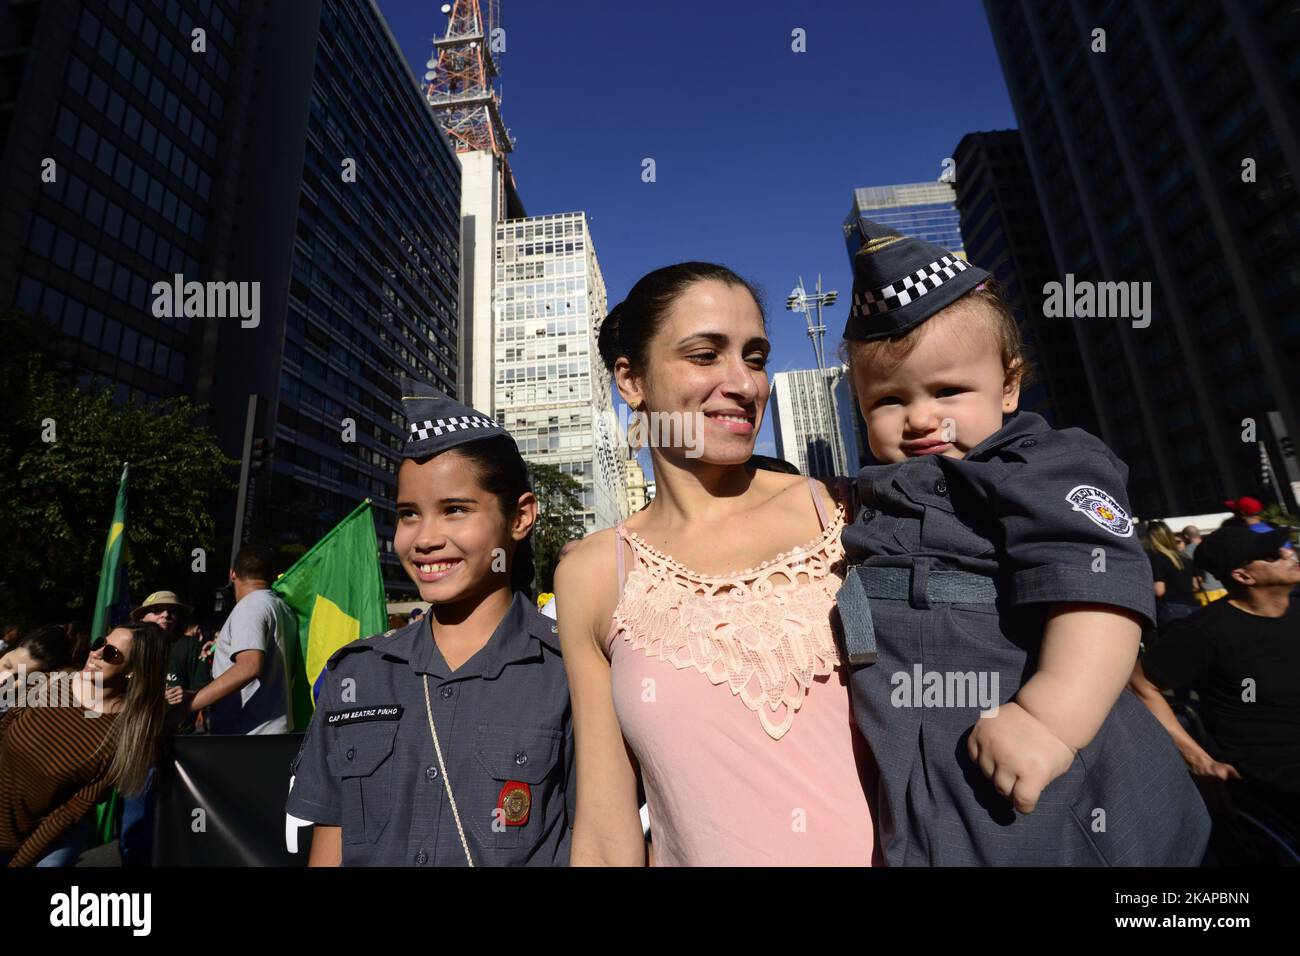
column 996, row 596
column 447, row 742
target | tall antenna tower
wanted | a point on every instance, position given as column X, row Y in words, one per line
column 460, row 79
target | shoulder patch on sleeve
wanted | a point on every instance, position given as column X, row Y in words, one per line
column 1101, row 509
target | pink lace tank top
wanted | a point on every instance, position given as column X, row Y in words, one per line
column 730, row 692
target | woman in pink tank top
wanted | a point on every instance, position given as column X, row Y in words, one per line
column 698, row 636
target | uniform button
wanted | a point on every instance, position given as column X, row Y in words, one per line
column 421, row 858
column 521, row 758
column 941, row 487
column 447, row 692
column 1029, row 443
column 431, row 773
column 351, row 752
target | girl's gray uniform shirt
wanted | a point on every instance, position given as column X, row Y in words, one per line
column 1032, row 516
column 368, row 762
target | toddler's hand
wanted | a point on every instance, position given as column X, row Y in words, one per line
column 1019, row 754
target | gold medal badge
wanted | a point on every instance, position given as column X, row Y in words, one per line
column 516, row 800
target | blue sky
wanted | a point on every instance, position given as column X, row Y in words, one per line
column 757, row 148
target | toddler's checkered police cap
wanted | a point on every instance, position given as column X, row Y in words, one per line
column 435, row 422
column 899, row 282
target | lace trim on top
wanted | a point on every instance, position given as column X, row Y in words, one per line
column 766, row 640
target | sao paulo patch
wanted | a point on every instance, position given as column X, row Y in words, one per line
column 1101, row 509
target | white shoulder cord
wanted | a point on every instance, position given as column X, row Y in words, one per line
column 442, row 768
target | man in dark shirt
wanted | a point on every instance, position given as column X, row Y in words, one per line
column 1242, row 656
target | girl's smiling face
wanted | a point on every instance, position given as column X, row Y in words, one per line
column 451, row 536
column 946, row 396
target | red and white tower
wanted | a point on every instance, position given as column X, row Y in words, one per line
column 461, row 78
column 461, row 88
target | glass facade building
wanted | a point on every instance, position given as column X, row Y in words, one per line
column 373, row 283
column 924, row 210
column 288, row 151
column 112, row 152
column 1172, row 158
column 552, row 392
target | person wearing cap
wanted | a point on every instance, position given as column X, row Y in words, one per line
column 188, row 671
column 448, row 741
column 995, row 596
column 1248, row 513
column 1242, row 657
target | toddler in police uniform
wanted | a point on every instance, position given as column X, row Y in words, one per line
column 995, row 597
column 448, row 742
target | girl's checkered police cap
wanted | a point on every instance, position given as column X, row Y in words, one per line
column 435, row 422
column 900, row 281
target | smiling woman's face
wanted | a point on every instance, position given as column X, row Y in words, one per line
column 706, row 375
column 112, row 658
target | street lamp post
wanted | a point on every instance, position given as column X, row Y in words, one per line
column 800, row 300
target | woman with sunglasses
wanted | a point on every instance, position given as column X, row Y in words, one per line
column 92, row 730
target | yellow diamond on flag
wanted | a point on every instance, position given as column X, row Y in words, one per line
column 331, row 628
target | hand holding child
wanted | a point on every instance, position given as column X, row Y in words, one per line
column 1019, row 754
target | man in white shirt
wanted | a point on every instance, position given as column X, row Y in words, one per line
column 249, row 693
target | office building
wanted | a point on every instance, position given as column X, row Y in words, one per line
column 1164, row 146
column 294, row 157
column 1002, row 228
column 636, row 485
column 923, row 210
column 803, row 410
column 552, row 392
column 853, row 431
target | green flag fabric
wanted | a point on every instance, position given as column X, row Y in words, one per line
column 337, row 591
column 110, row 570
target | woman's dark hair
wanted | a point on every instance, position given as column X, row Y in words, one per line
column 631, row 324
column 502, row 472
column 79, row 632
column 50, row 646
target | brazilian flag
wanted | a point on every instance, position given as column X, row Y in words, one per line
column 112, row 568
column 337, row 591
column 111, row 590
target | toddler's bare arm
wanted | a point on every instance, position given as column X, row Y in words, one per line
column 1087, row 657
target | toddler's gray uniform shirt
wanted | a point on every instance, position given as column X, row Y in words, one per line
column 503, row 717
column 1042, row 515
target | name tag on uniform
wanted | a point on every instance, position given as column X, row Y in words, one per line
column 359, row 715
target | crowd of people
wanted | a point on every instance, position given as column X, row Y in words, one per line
column 155, row 676
column 1222, row 674
column 969, row 654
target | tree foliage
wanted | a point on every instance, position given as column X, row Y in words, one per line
column 559, row 518
column 61, row 456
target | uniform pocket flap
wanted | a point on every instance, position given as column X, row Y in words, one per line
column 359, row 749
column 508, row 753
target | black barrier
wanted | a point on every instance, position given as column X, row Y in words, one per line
column 221, row 803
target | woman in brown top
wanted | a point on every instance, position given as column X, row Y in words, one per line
column 76, row 736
